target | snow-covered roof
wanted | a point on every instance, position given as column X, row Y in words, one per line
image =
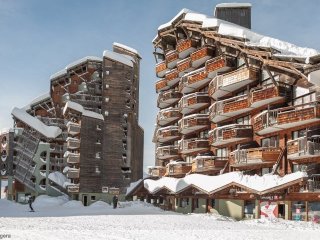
column 80, row 108
column 168, row 24
column 83, row 60
column 211, row 184
column 233, row 5
column 133, row 185
column 41, row 98
column 130, row 49
column 35, row 123
column 251, row 38
column 58, row 74
column 118, row 57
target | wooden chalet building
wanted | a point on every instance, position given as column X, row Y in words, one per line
column 231, row 103
column 83, row 137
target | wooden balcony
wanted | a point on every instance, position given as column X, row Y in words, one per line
column 161, row 85
column 194, row 145
column 268, row 94
column 168, row 134
column 186, row 47
column 261, row 157
column 201, row 55
column 230, row 134
column 304, row 148
column 270, row 121
column 193, row 102
column 73, row 188
column 167, row 152
column 168, row 115
column 73, row 128
column 230, row 82
column 73, row 158
column 161, row 69
column 184, row 66
column 194, row 123
column 73, row 173
column 172, row 58
column 194, row 80
column 219, row 65
column 172, row 77
column 208, row 164
column 73, row 143
column 229, row 108
column 177, row 169
column 168, row 98
column 156, row 171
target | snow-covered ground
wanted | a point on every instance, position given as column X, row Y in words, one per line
column 57, row 218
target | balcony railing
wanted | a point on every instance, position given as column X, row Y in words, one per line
column 267, row 94
column 194, row 80
column 161, row 85
column 73, row 173
column 73, row 143
column 167, row 98
column 73, row 188
column 168, row 115
column 73, row 158
column 255, row 156
column 161, row 69
column 172, row 77
column 230, row 134
column 208, row 164
column 222, row 110
column 167, row 152
column 230, row 82
column 201, row 55
column 184, row 66
column 156, row 171
column 186, row 47
column 193, row 102
column 168, row 134
column 194, row 123
column 193, row 145
column 178, row 169
column 172, row 58
column 304, row 147
column 73, row 128
column 219, row 64
column 270, row 121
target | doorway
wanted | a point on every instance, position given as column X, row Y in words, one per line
column 85, row 200
column 281, row 210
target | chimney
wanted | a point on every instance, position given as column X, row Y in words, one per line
column 238, row 13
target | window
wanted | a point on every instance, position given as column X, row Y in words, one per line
column 98, row 141
column 243, row 120
column 98, row 127
column 270, row 142
column 93, row 198
column 197, row 203
column 299, row 133
column 222, row 152
column 98, row 155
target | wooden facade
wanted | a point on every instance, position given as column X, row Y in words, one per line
column 258, row 120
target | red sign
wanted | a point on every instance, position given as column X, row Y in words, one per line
column 268, row 209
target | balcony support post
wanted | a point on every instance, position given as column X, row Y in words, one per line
column 270, row 75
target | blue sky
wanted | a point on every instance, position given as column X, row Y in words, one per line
column 38, row 38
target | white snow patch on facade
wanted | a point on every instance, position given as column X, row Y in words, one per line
column 79, row 108
column 58, row 178
column 314, row 77
column 47, row 131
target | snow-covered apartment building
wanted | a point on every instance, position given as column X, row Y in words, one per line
column 238, row 127
column 82, row 138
